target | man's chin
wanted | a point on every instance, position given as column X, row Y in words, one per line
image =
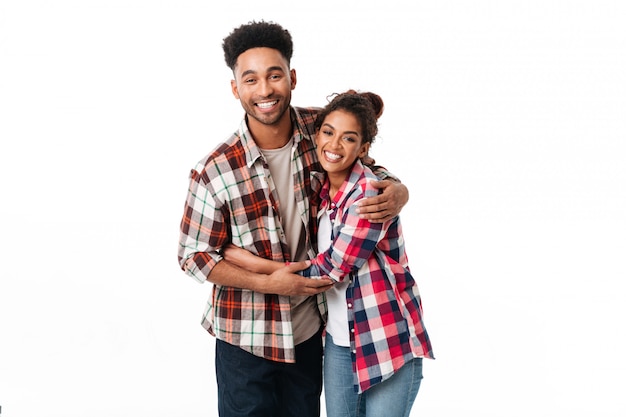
column 267, row 119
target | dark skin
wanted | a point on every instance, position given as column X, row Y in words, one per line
column 283, row 281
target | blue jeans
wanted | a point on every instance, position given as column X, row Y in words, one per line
column 248, row 385
column 392, row 397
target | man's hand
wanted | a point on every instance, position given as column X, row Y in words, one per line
column 384, row 206
column 285, row 281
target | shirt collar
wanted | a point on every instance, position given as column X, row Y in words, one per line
column 253, row 152
column 345, row 190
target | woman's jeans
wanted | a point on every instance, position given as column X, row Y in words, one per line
column 393, row 397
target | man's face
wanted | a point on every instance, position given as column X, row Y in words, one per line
column 263, row 84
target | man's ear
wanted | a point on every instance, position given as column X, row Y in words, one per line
column 294, row 79
column 233, row 88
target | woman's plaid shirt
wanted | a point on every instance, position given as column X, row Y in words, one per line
column 231, row 200
column 384, row 306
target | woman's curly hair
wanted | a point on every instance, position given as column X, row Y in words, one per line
column 367, row 107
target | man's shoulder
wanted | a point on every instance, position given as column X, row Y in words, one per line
column 223, row 157
column 306, row 117
column 307, row 111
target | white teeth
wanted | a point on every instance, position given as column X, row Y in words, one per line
column 266, row 105
column 332, row 156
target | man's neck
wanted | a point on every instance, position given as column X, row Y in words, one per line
column 271, row 136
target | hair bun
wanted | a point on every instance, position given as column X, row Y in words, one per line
column 377, row 102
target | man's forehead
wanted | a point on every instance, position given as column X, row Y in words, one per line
column 260, row 59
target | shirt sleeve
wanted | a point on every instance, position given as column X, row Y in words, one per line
column 203, row 230
column 354, row 241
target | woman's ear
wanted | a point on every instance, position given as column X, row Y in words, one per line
column 365, row 148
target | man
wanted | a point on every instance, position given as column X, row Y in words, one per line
column 258, row 191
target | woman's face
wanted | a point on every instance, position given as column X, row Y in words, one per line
column 339, row 143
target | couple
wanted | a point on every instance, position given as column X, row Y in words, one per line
column 271, row 191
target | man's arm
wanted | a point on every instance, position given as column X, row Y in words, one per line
column 283, row 281
column 384, row 206
column 243, row 258
column 204, row 232
column 389, row 203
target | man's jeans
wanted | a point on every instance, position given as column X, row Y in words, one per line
column 252, row 386
column 392, row 397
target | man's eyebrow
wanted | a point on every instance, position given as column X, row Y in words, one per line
column 247, row 72
column 275, row 68
column 270, row 69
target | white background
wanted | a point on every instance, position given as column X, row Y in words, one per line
column 506, row 120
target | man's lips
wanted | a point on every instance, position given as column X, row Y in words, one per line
column 266, row 104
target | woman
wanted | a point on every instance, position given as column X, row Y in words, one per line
column 375, row 335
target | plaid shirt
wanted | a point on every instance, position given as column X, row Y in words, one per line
column 384, row 306
column 230, row 200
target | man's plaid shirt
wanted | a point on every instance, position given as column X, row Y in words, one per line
column 230, row 200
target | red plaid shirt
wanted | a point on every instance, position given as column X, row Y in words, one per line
column 384, row 305
column 230, row 200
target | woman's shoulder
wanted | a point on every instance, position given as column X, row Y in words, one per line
column 362, row 177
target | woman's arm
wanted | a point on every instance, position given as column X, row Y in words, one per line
column 355, row 239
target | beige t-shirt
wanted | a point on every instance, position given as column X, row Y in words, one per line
column 305, row 315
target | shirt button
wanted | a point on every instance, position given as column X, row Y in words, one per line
column 349, row 305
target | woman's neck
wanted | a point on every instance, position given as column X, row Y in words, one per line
column 335, row 181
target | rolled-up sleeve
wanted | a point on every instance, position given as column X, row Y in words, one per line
column 203, row 231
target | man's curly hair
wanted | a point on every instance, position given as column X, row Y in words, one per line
column 254, row 35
